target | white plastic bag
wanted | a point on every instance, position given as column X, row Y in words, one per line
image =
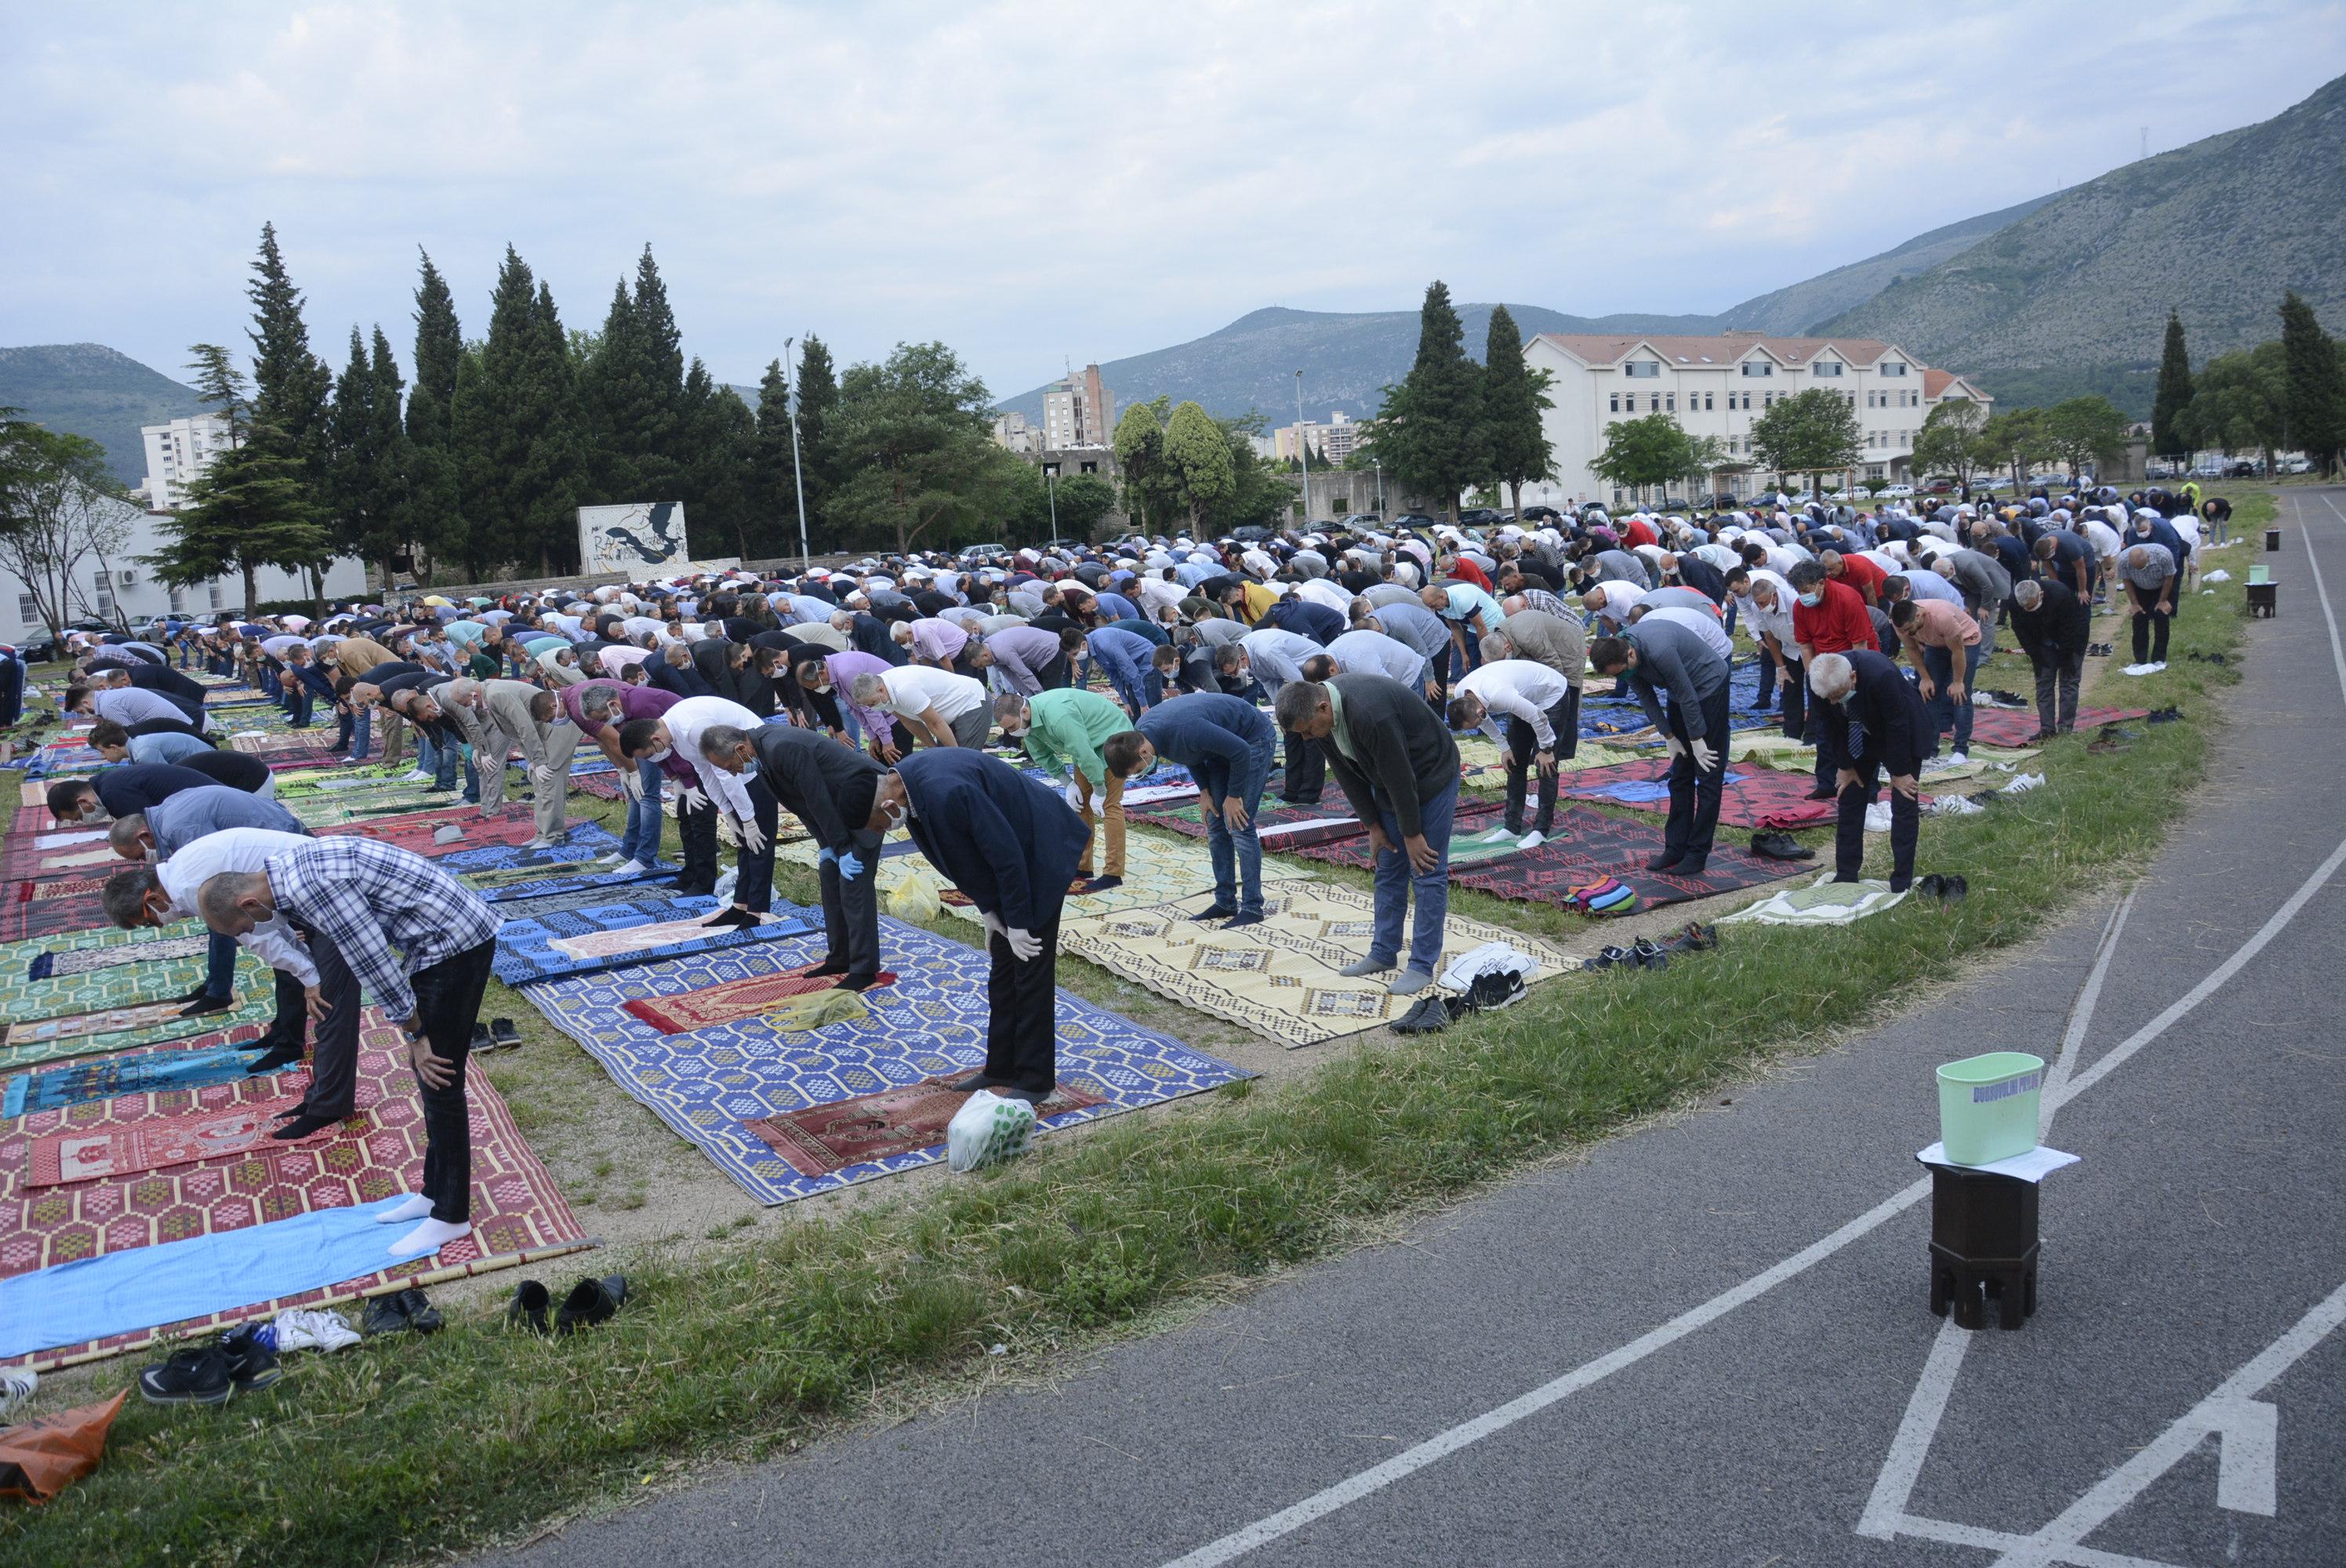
column 987, row 1130
column 725, row 886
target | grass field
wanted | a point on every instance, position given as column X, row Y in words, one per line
column 754, row 1333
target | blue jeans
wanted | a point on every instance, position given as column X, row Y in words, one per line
column 1397, row 880
column 640, row 842
column 1238, row 857
column 220, row 967
column 362, row 733
column 1946, row 711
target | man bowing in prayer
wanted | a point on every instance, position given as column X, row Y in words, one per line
column 1011, row 844
column 1880, row 724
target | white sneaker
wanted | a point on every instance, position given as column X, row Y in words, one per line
column 300, row 1329
column 415, row 776
column 1958, row 760
column 629, row 869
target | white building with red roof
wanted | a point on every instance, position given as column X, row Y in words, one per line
column 1717, row 387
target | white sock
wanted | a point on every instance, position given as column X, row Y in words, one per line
column 415, row 1208
column 428, row 1237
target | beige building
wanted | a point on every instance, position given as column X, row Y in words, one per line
column 1330, row 443
column 1013, row 434
column 1077, row 411
column 1717, row 387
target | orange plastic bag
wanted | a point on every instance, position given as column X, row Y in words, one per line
column 44, row 1456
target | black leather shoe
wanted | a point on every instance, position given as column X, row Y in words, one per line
column 530, row 1303
column 1665, row 861
column 384, row 1315
column 591, row 1301
column 422, row 1316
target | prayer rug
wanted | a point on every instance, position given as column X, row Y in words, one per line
column 1623, row 718
column 110, row 1077
column 708, row 1085
column 585, row 843
column 786, row 1002
column 29, row 848
column 1764, row 798
column 1822, row 902
column 65, row 1027
column 47, row 907
column 30, row 1044
column 518, row 1215
column 416, row 833
column 572, row 876
column 615, row 931
column 1280, row 978
column 1333, row 817
column 823, row 1140
column 58, row 964
column 157, row 1143
column 2015, row 726
column 1590, row 846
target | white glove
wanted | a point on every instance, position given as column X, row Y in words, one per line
column 1706, row 756
column 752, row 841
column 1672, row 742
column 1024, row 947
column 631, row 783
column 694, row 799
column 994, row 926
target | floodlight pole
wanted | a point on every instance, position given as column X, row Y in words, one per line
column 798, row 479
column 1302, row 451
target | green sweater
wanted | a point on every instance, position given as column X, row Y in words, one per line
column 1070, row 726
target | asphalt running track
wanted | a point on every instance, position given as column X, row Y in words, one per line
column 1709, row 1343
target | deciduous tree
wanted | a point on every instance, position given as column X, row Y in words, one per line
column 2084, row 430
column 1814, row 433
column 1198, row 458
column 1638, row 452
column 1948, row 441
column 60, row 506
column 917, row 430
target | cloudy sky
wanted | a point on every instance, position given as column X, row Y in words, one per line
column 1041, row 182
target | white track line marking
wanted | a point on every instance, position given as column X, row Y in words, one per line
column 1442, row 1444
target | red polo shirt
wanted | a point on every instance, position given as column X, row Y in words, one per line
column 1863, row 576
column 1636, row 532
column 1837, row 624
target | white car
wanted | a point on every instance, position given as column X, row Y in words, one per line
column 1900, row 491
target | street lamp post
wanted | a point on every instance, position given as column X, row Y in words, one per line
column 1051, row 483
column 1302, row 450
column 798, row 480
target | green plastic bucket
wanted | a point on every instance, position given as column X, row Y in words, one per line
column 1988, row 1106
column 2260, row 575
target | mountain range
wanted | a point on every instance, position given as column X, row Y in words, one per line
column 2064, row 294
column 88, row 389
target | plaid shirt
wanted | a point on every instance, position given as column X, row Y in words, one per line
column 370, row 898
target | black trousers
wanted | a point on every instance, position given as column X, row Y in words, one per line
column 1523, row 746
column 334, row 1060
column 696, row 826
column 850, row 909
column 448, row 1006
column 1055, row 675
column 1848, row 829
column 2150, row 627
column 1768, row 673
column 753, row 889
column 1695, row 791
column 1022, row 1045
column 1307, row 771
column 2057, row 679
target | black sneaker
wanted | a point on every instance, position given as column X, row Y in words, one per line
column 422, row 1316
column 251, row 1361
column 196, row 1376
column 1429, row 1016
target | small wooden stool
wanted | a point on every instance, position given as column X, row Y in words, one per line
column 1983, row 1246
column 2262, row 600
column 2272, row 540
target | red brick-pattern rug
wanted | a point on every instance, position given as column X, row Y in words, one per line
column 48, row 908
column 157, row 1143
column 2013, row 727
column 518, row 1215
column 1752, row 797
column 513, row 826
column 819, row 1140
column 733, row 1000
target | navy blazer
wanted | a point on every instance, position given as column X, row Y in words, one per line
column 1009, row 843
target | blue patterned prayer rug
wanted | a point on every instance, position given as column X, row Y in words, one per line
column 525, row 941
column 587, row 841
column 706, row 1084
column 498, row 886
column 144, row 1073
column 1607, row 718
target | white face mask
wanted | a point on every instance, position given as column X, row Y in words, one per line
column 662, row 755
column 895, row 811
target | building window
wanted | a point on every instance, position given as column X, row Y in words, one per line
column 1706, row 402
column 1670, row 401
column 1759, row 368
column 1893, row 367
column 178, row 597
column 28, row 610
column 1642, row 370
column 1825, row 367
column 216, row 595
column 105, row 594
column 1616, row 403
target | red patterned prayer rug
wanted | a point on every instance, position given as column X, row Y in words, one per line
column 1590, row 846
column 735, row 999
column 1753, row 796
column 415, row 833
column 2012, row 726
column 818, row 1140
column 158, row 1143
column 518, row 1215
column 47, row 907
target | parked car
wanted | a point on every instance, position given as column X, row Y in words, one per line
column 1248, row 532
column 2241, row 471
column 1941, row 487
column 1899, row 492
column 983, row 554
column 1481, row 517
column 2297, row 466
column 1358, row 520
column 1417, row 520
column 1542, row 515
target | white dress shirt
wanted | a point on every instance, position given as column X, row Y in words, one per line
column 243, row 851
column 686, row 721
column 1515, row 688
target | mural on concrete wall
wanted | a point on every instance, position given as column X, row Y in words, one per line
column 643, row 538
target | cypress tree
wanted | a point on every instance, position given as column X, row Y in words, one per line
column 439, row 344
column 349, row 434
column 604, row 403
column 634, row 394
column 290, row 383
column 1514, row 395
column 2174, row 393
column 493, row 435
column 772, row 497
column 1432, row 426
column 468, row 469
column 546, row 506
column 720, row 432
column 818, row 457
column 2316, row 396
